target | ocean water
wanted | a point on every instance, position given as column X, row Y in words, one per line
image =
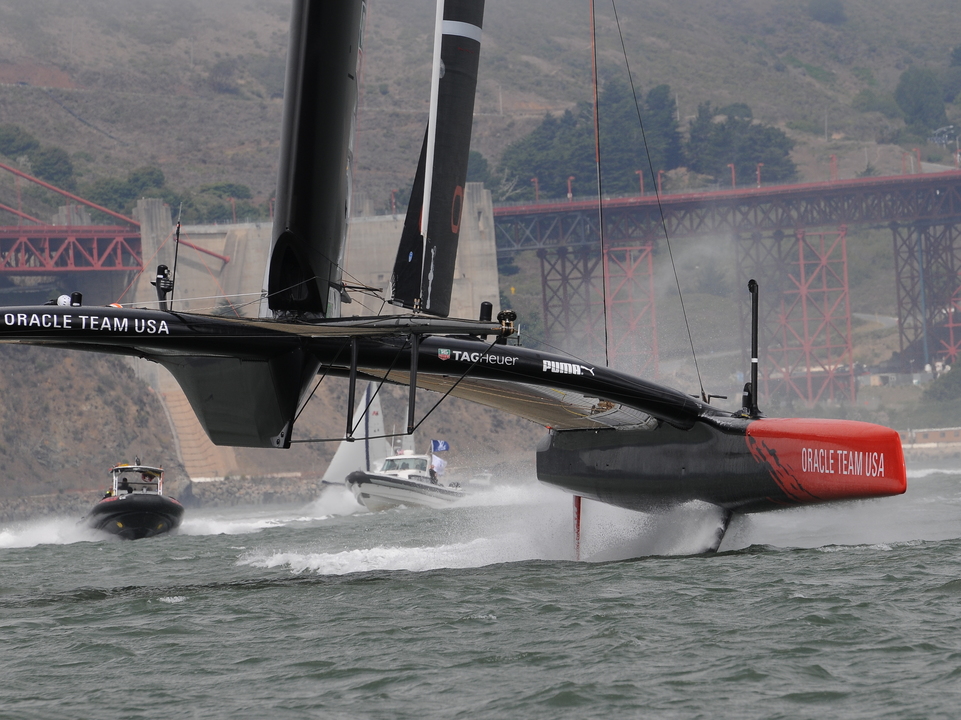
column 482, row 611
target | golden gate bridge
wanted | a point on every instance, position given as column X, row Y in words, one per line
column 792, row 238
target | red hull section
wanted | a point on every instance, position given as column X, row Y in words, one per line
column 823, row 460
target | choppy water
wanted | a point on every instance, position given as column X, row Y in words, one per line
column 481, row 612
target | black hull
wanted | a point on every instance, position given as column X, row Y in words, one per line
column 642, row 470
column 133, row 517
column 740, row 464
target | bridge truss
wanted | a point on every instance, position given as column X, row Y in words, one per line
column 793, row 239
column 50, row 249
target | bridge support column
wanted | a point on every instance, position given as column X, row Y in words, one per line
column 806, row 325
column 573, row 315
column 927, row 263
column 579, row 319
column 156, row 227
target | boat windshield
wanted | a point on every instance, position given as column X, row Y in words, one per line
column 136, row 478
column 404, row 463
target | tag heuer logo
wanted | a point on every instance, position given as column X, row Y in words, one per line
column 443, row 353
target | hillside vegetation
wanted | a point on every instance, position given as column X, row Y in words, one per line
column 68, row 417
column 193, row 86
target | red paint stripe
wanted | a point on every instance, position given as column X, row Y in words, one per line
column 577, row 527
column 822, row 460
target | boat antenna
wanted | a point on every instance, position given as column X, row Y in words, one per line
column 173, row 276
column 750, row 391
column 660, row 208
column 600, row 196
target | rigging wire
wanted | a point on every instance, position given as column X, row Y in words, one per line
column 600, row 195
column 173, row 277
column 303, row 405
column 660, row 207
column 426, row 415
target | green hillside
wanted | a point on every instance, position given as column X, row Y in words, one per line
column 193, row 86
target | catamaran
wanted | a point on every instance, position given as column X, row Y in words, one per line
column 611, row 437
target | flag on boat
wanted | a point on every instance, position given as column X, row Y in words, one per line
column 438, row 464
column 439, row 446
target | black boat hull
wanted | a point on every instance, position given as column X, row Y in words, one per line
column 136, row 516
column 740, row 464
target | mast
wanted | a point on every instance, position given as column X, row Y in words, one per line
column 600, row 194
column 432, row 125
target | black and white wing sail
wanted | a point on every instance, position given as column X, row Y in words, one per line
column 313, row 187
column 423, row 273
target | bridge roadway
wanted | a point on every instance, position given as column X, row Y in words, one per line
column 933, row 198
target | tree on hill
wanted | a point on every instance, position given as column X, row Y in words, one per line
column 207, row 204
column 868, row 100
column 222, row 77
column 921, row 98
column 146, row 178
column 478, row 169
column 738, row 110
column 563, row 147
column 53, row 165
column 112, row 193
column 122, row 195
column 950, row 79
column 661, row 131
column 49, row 163
column 552, row 152
column 228, row 190
column 15, row 141
column 717, row 140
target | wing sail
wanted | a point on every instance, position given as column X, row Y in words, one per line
column 313, row 186
column 410, row 253
column 424, row 268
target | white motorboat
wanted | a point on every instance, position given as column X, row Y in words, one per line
column 405, row 479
